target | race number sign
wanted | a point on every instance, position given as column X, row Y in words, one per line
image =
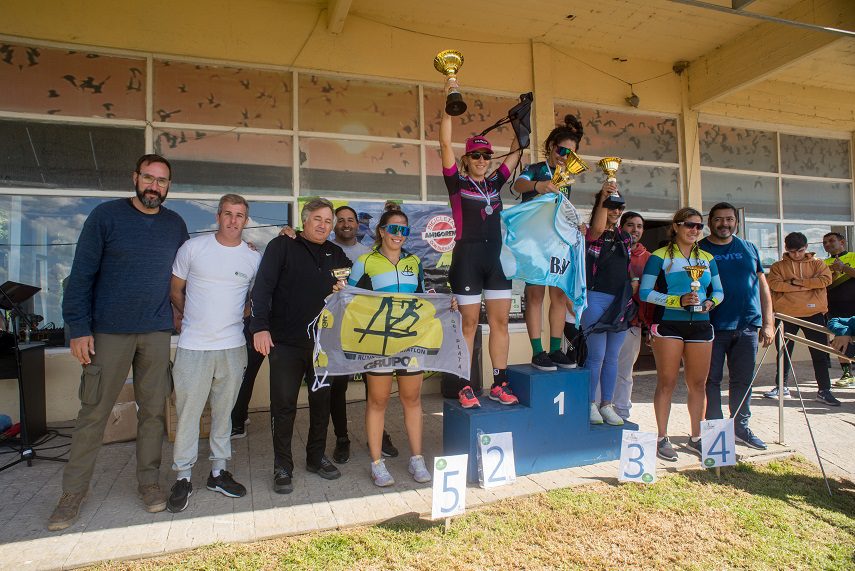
column 449, row 486
column 637, row 457
column 496, row 459
column 718, row 443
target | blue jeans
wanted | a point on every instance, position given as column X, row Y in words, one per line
column 740, row 349
column 603, row 349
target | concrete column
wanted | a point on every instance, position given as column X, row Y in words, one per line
column 690, row 153
column 544, row 109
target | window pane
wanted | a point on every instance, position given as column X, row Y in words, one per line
column 737, row 148
column 265, row 218
column 213, row 95
column 817, row 200
column 625, row 135
column 481, row 112
column 209, row 161
column 335, row 105
column 46, row 155
column 67, row 82
column 765, row 237
column 435, row 183
column 814, row 233
column 648, row 189
column 757, row 194
column 358, row 168
column 814, row 157
column 38, row 235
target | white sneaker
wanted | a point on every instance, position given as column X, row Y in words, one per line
column 609, row 414
column 381, row 475
column 595, row 416
column 419, row 470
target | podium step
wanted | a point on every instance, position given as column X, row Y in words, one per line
column 550, row 425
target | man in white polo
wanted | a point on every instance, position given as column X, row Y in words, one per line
column 211, row 279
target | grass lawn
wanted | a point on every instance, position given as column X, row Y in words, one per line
column 770, row 516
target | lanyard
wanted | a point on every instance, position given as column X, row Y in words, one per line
column 489, row 208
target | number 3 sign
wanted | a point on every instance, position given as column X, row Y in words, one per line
column 449, row 486
column 637, row 457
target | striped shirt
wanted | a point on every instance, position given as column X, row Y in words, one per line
column 665, row 281
column 375, row 272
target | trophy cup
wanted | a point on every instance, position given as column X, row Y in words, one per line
column 610, row 166
column 695, row 272
column 448, row 63
column 573, row 165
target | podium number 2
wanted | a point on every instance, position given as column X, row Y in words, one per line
column 446, row 488
column 493, row 477
column 636, row 460
column 724, row 451
column 559, row 400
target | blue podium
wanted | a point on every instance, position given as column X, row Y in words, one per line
column 550, row 424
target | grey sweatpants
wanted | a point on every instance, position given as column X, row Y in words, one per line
column 198, row 375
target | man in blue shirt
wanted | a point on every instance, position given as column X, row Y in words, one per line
column 117, row 308
column 739, row 322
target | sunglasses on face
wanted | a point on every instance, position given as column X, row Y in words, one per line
column 691, row 225
column 397, row 229
column 478, row 156
column 563, row 151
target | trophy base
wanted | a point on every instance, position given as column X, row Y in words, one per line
column 614, row 201
column 454, row 104
column 695, row 308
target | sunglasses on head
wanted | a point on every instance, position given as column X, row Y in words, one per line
column 398, row 229
column 691, row 225
column 477, row 155
column 563, row 151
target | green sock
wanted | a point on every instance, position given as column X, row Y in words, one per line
column 536, row 346
column 554, row 344
column 845, row 367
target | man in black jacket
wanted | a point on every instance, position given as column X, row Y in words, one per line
column 294, row 278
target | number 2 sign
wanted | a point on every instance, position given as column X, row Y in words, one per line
column 496, row 459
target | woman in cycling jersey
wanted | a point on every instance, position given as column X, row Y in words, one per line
column 388, row 267
column 681, row 330
column 475, row 269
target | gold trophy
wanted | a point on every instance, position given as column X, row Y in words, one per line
column 340, row 273
column 448, row 63
column 610, row 166
column 564, row 173
column 695, row 272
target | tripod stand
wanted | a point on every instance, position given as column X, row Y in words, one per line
column 12, row 294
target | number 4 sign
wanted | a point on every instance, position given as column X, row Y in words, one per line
column 449, row 486
column 496, row 459
column 718, row 443
column 637, row 457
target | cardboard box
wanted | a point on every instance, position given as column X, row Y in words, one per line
column 172, row 419
column 122, row 422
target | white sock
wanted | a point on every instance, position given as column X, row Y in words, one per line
column 696, row 438
column 215, row 473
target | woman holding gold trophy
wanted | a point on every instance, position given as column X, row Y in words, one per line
column 537, row 179
column 474, row 194
column 683, row 280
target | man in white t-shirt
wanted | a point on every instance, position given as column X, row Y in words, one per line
column 211, row 279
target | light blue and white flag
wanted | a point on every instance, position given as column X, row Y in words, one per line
column 542, row 245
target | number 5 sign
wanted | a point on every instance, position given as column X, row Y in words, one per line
column 637, row 457
column 718, row 443
column 496, row 459
column 449, row 486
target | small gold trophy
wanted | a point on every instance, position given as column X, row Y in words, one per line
column 610, row 166
column 695, row 272
column 340, row 273
column 572, row 166
column 448, row 63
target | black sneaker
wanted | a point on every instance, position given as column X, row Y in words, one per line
column 826, row 397
column 665, row 451
column 695, row 447
column 282, row 481
column 325, row 469
column 179, row 496
column 561, row 360
column 542, row 362
column 226, row 485
column 341, row 454
column 750, row 439
column 387, row 448
column 238, row 431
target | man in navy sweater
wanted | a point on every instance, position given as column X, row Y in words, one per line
column 117, row 308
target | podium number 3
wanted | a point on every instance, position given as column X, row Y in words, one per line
column 559, row 400
column 636, row 460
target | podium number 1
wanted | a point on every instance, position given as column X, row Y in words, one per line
column 559, row 400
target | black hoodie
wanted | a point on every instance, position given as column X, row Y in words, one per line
column 293, row 279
